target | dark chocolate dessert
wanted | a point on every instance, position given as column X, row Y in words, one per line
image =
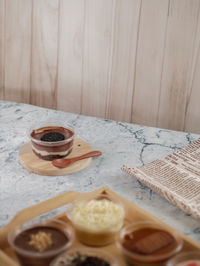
column 52, row 142
column 53, row 136
column 39, row 245
column 78, row 259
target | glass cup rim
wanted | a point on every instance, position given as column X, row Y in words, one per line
column 138, row 257
column 88, row 197
column 68, row 231
column 47, row 124
column 188, row 255
column 91, row 251
column 93, row 197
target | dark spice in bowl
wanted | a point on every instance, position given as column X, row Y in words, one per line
column 85, row 257
column 53, row 136
column 82, row 260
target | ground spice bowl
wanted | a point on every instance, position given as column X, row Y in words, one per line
column 92, row 252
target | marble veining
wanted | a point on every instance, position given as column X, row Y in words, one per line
column 120, row 143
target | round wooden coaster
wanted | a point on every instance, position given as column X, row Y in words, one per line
column 41, row 167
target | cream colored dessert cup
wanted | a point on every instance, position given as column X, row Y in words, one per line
column 97, row 219
column 95, row 238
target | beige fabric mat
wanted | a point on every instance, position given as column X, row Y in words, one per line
column 176, row 177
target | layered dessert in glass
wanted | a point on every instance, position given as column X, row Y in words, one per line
column 39, row 244
column 52, row 141
column 97, row 219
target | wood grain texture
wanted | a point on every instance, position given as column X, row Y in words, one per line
column 97, row 45
column 123, row 56
column 2, row 31
column 44, row 53
column 135, row 61
column 7, row 260
column 149, row 61
column 70, row 62
column 181, row 31
column 17, row 50
column 192, row 110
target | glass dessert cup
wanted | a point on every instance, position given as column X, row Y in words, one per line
column 94, row 255
column 191, row 258
column 97, row 219
column 148, row 243
column 51, row 140
column 31, row 250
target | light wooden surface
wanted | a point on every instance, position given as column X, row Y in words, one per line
column 2, row 28
column 96, row 60
column 45, row 15
column 7, row 260
column 42, row 167
column 133, row 214
column 70, row 56
column 192, row 109
column 177, row 66
column 149, row 61
column 17, row 47
column 127, row 60
column 123, row 59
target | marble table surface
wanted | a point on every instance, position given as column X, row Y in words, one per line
column 120, row 143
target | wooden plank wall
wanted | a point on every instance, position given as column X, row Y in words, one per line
column 17, row 48
column 128, row 60
column 2, row 34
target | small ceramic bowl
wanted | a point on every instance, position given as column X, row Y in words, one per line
column 148, row 243
column 97, row 219
column 191, row 258
column 66, row 259
column 51, row 140
column 31, row 249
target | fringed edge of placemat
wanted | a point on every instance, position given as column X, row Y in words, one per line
column 166, row 194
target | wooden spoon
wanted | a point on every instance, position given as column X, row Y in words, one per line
column 62, row 163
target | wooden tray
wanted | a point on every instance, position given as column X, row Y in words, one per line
column 134, row 214
column 42, row 167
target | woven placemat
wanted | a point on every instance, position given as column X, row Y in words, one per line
column 175, row 177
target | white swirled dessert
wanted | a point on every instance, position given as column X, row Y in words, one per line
column 97, row 220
